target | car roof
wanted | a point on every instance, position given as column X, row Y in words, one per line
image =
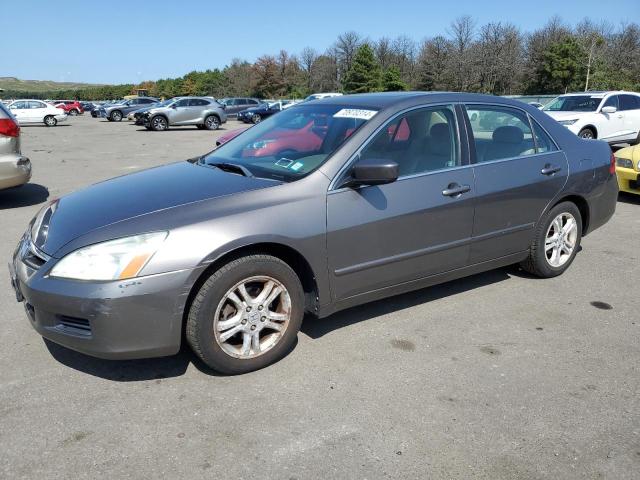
column 383, row 100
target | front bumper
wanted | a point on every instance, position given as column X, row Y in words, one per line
column 15, row 170
column 136, row 318
column 628, row 180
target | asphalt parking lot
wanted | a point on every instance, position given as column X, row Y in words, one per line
column 497, row 376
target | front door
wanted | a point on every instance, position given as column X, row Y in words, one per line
column 20, row 110
column 612, row 125
column 417, row 226
column 181, row 113
column 517, row 173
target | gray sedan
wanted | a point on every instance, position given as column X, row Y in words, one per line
column 325, row 206
column 115, row 112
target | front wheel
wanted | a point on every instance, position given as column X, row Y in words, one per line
column 246, row 315
column 587, row 134
column 159, row 123
column 211, row 122
column 256, row 118
column 50, row 121
column 556, row 242
column 115, row 116
column 73, row 112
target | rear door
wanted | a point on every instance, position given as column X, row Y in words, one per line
column 630, row 107
column 418, row 226
column 518, row 171
column 36, row 111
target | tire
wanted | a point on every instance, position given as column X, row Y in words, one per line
column 73, row 112
column 231, row 353
column 256, row 119
column 50, row 121
column 541, row 253
column 587, row 133
column 636, row 141
column 159, row 123
column 115, row 116
column 212, row 122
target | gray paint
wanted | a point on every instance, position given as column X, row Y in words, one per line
column 361, row 243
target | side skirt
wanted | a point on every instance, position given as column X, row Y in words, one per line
column 424, row 282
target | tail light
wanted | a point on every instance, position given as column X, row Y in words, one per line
column 9, row 128
column 612, row 165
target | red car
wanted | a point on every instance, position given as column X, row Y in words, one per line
column 71, row 107
column 222, row 139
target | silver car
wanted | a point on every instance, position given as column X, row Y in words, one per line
column 203, row 112
column 15, row 169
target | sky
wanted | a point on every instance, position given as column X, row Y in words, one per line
column 119, row 41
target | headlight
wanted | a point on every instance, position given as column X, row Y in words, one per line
column 567, row 122
column 624, row 162
column 113, row 260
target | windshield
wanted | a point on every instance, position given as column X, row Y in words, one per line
column 574, row 103
column 291, row 144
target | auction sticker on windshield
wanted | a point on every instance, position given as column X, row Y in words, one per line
column 355, row 113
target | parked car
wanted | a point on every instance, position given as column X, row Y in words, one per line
column 88, row 106
column 259, row 113
column 115, row 112
column 233, row 250
column 610, row 116
column 137, row 116
column 15, row 168
column 319, row 96
column 71, row 107
column 222, row 139
column 538, row 105
column 32, row 111
column 203, row 112
column 628, row 169
column 236, row 104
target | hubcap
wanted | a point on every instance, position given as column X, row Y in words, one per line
column 587, row 134
column 561, row 239
column 211, row 122
column 252, row 317
column 257, row 119
column 159, row 123
column 50, row 120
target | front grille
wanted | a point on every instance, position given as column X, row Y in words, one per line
column 73, row 325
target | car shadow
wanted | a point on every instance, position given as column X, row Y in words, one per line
column 128, row 370
column 316, row 328
column 629, row 198
column 24, row 196
column 31, row 125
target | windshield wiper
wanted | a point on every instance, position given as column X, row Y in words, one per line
column 233, row 167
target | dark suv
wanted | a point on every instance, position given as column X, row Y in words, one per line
column 235, row 105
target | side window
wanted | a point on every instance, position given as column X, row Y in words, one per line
column 612, row 101
column 36, row 105
column 232, row 101
column 182, row 103
column 421, row 141
column 146, row 101
column 198, row 102
column 18, row 105
column 629, row 102
column 253, row 102
column 500, row 132
column 543, row 141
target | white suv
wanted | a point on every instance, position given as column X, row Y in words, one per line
column 610, row 116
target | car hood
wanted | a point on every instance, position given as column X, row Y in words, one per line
column 137, row 194
column 566, row 115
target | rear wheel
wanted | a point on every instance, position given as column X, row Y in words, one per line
column 159, row 123
column 587, row 133
column 556, row 241
column 115, row 116
column 246, row 315
column 73, row 112
column 50, row 121
column 211, row 122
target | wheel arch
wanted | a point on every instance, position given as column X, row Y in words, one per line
column 583, row 207
column 591, row 127
column 286, row 253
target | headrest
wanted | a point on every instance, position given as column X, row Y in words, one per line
column 440, row 139
column 508, row 134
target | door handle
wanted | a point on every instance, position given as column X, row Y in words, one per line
column 550, row 170
column 455, row 190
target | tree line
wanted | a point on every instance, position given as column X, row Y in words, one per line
column 495, row 58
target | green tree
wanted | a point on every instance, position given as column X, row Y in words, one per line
column 391, row 81
column 562, row 67
column 364, row 74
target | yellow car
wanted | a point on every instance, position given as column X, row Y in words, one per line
column 628, row 169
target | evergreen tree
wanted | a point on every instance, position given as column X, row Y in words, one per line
column 562, row 67
column 391, row 81
column 364, row 74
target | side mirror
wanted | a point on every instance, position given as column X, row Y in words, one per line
column 374, row 171
column 609, row 109
column 174, row 106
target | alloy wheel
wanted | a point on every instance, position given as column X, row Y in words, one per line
column 252, row 317
column 561, row 238
column 159, row 123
